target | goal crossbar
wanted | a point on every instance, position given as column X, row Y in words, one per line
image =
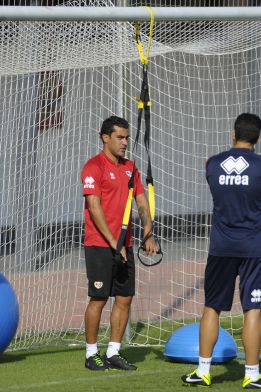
column 125, row 14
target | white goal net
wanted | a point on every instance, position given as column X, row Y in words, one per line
column 58, row 81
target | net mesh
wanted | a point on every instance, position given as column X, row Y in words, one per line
column 58, row 82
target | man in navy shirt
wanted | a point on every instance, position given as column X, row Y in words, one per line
column 234, row 179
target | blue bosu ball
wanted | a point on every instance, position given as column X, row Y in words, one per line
column 183, row 345
column 9, row 313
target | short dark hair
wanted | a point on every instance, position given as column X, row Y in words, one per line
column 247, row 128
column 108, row 125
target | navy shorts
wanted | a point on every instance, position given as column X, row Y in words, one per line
column 106, row 278
column 220, row 278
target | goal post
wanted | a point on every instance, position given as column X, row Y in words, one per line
column 127, row 14
column 59, row 79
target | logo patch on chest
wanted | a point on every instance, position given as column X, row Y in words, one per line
column 129, row 173
column 112, row 176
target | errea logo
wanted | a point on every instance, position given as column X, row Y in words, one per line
column 256, row 295
column 89, row 183
column 237, row 166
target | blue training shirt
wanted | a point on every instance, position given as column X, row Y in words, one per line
column 234, row 178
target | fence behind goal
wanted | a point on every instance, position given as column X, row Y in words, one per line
column 58, row 81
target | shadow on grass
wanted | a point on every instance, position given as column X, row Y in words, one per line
column 139, row 354
column 22, row 355
column 234, row 371
column 53, row 350
column 11, row 357
column 133, row 354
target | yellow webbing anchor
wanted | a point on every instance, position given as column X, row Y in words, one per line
column 145, row 59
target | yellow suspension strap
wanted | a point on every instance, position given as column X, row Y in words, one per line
column 141, row 100
column 144, row 105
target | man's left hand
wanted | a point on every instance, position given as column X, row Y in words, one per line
column 150, row 246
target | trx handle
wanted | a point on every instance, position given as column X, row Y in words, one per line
column 142, row 249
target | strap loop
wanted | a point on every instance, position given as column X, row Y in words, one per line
column 145, row 59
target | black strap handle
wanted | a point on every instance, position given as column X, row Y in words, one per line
column 142, row 249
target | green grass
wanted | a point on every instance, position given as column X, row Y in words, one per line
column 146, row 334
column 61, row 369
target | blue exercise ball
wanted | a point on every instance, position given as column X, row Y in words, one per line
column 183, row 345
column 9, row 313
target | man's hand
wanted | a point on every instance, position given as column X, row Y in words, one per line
column 150, row 246
column 113, row 244
column 123, row 254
